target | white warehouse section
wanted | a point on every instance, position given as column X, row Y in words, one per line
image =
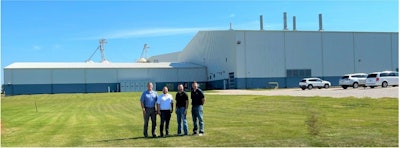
column 255, row 59
column 36, row 78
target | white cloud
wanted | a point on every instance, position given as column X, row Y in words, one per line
column 157, row 32
column 153, row 32
column 231, row 15
column 36, row 47
column 56, row 46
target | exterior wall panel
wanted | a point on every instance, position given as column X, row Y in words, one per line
column 265, row 54
column 101, row 76
column 130, row 74
column 213, row 49
column 395, row 52
column 8, row 76
column 220, row 54
column 101, row 87
column 162, row 75
column 31, row 76
column 246, row 83
column 303, row 51
column 240, row 68
column 69, row 88
column 68, row 76
column 338, row 54
column 20, row 89
column 372, row 51
column 190, row 75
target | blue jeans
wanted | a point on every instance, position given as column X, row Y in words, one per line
column 197, row 114
column 181, row 118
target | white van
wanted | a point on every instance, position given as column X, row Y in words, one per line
column 384, row 79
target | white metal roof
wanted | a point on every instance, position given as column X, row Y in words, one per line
column 67, row 65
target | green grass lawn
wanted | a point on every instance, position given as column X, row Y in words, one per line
column 115, row 119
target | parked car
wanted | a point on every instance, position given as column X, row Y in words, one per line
column 313, row 82
column 353, row 80
column 384, row 79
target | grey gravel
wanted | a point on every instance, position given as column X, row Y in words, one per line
column 377, row 92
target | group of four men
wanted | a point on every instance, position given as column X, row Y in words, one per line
column 163, row 105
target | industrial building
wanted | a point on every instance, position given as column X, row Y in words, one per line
column 40, row 78
column 224, row 59
column 242, row 59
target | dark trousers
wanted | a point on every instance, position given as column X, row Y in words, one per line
column 150, row 113
column 165, row 117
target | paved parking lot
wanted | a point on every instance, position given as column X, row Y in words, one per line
column 335, row 92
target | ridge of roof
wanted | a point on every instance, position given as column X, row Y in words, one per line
column 69, row 65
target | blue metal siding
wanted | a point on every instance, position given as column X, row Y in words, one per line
column 292, row 82
column 28, row 89
column 333, row 79
column 241, row 83
column 248, row 83
column 173, row 86
column 69, row 88
column 217, row 84
column 284, row 82
column 245, row 83
column 22, row 89
column 101, row 87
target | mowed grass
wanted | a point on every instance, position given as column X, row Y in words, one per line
column 115, row 119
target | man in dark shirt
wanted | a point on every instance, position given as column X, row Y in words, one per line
column 198, row 100
column 182, row 103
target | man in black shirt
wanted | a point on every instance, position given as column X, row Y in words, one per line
column 182, row 103
column 198, row 100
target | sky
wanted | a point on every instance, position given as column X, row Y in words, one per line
column 69, row 31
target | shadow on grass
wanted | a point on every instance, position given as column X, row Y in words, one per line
column 122, row 139
column 134, row 138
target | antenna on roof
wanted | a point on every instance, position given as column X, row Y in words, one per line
column 143, row 56
column 101, row 47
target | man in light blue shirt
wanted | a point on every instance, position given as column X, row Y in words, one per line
column 165, row 106
column 148, row 102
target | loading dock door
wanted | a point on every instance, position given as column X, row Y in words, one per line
column 135, row 85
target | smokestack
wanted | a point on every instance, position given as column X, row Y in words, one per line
column 261, row 23
column 294, row 23
column 320, row 23
column 284, row 21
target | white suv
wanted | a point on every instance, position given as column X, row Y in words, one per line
column 353, row 80
column 384, row 79
column 313, row 82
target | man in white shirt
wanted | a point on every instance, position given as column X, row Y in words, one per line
column 165, row 106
